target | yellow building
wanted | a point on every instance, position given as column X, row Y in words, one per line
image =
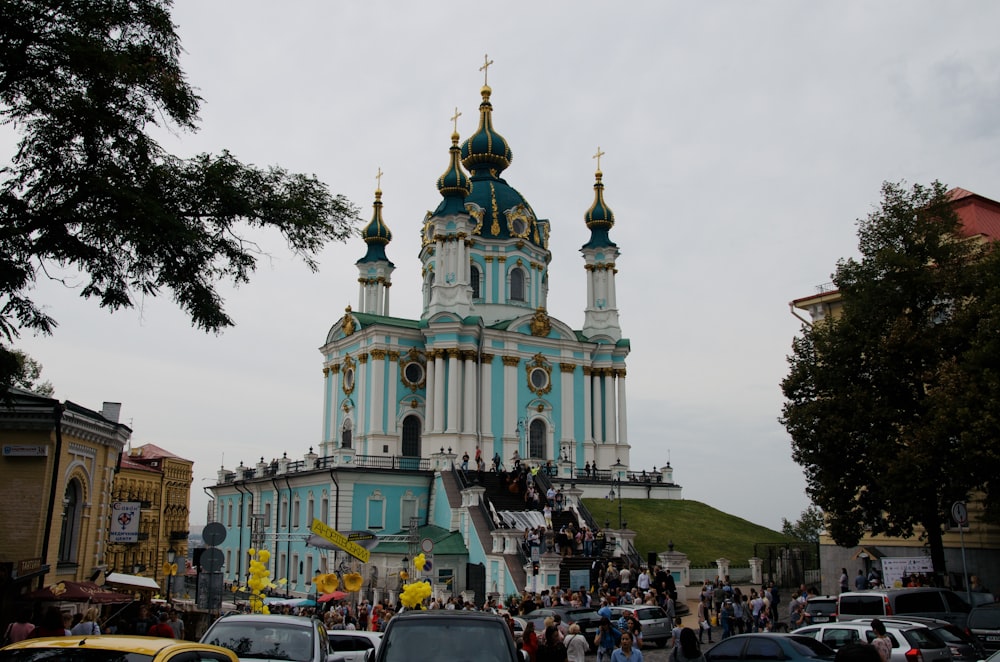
column 980, row 220
column 56, row 473
column 158, row 485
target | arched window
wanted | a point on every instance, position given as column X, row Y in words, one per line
column 345, row 436
column 536, row 439
column 517, row 285
column 474, row 281
column 411, row 436
column 71, row 516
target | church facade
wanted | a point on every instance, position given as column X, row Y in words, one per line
column 484, row 366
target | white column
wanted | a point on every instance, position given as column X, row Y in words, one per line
column 610, row 420
column 486, row 397
column 590, row 288
column 469, row 397
column 385, row 307
column 360, row 383
column 439, row 391
column 361, row 295
column 393, row 368
column 622, row 418
column 510, row 400
column 598, row 408
column 612, row 300
column 566, row 434
column 429, row 393
column 588, row 425
column 376, row 419
column 454, row 390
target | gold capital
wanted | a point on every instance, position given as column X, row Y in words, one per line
column 510, row 360
column 567, row 367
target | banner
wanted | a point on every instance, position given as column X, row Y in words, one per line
column 125, row 521
column 340, row 540
column 895, row 568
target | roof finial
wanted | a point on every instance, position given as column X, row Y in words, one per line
column 378, row 180
column 598, row 157
column 454, row 118
column 486, row 68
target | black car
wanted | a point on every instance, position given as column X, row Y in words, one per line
column 770, row 646
column 446, row 634
column 984, row 623
column 586, row 618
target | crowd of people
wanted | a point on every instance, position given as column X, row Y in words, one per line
column 151, row 620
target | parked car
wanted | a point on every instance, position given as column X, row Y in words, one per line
column 586, row 618
column 353, row 645
column 446, row 634
column 926, row 601
column 911, row 642
column 963, row 645
column 270, row 636
column 984, row 623
column 771, row 646
column 113, row 647
column 822, row 609
column 656, row 626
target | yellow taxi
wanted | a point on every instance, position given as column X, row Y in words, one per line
column 113, row 648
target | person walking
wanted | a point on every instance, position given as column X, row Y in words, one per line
column 626, row 653
column 21, row 628
column 88, row 624
column 688, row 649
column 844, row 581
column 606, row 640
column 576, row 644
column 881, row 642
column 704, row 622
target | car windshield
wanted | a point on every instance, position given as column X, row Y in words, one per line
column 810, row 647
column 650, row 613
column 278, row 641
column 923, row 638
column 952, row 634
column 822, row 606
column 462, row 640
column 70, row 655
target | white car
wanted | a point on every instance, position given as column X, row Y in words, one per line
column 353, row 645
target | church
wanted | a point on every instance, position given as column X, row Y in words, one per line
column 485, row 372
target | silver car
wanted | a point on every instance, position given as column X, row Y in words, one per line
column 656, row 626
column 911, row 642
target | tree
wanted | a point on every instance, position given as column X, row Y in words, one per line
column 89, row 189
column 891, row 406
column 808, row 527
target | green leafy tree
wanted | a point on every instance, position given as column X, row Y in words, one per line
column 808, row 527
column 891, row 406
column 88, row 189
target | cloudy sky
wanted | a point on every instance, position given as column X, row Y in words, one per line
column 742, row 140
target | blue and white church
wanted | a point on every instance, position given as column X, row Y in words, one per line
column 485, row 368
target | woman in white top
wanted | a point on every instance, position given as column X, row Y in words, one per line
column 88, row 624
column 576, row 644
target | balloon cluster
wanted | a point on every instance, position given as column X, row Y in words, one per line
column 260, row 579
column 421, row 562
column 414, row 594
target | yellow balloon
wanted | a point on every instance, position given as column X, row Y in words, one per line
column 265, row 556
column 353, row 581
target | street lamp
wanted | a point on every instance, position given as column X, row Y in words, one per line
column 169, row 569
column 617, row 480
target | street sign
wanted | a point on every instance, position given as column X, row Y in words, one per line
column 340, row 540
column 213, row 534
column 960, row 513
column 212, row 560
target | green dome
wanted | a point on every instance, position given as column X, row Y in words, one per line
column 376, row 234
column 600, row 219
column 454, row 182
column 486, row 149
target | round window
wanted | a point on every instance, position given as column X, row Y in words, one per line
column 519, row 226
column 414, row 372
column 539, row 378
column 349, row 378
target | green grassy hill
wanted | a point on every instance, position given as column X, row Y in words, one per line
column 698, row 530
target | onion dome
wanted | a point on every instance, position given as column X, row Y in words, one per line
column 376, row 234
column 486, row 149
column 453, row 184
column 600, row 219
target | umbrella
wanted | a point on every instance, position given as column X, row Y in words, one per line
column 336, row 595
column 79, row 592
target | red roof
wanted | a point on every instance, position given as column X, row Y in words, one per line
column 979, row 215
column 128, row 463
column 151, row 452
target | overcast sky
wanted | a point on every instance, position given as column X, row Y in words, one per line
column 742, row 140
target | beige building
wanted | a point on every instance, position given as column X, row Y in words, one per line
column 56, row 473
column 980, row 219
column 159, row 484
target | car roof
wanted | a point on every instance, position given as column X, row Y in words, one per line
column 355, row 633
column 446, row 613
column 270, row 619
column 119, row 643
column 902, row 618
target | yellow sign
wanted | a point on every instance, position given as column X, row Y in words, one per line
column 340, row 540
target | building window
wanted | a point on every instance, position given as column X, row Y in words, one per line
column 346, row 436
column 517, row 285
column 267, row 514
column 474, row 278
column 411, row 436
column 310, row 514
column 536, row 439
column 229, row 514
column 376, row 511
column 296, row 513
column 407, row 511
column 71, row 516
column 283, row 515
column 295, row 569
column 324, row 506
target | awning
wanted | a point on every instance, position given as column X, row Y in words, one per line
column 136, row 581
column 79, row 592
column 868, row 552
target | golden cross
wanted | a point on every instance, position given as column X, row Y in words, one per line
column 486, row 68
column 378, row 178
column 454, row 118
column 598, row 156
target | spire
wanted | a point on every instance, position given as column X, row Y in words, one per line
column 486, row 149
column 600, row 219
column 376, row 234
